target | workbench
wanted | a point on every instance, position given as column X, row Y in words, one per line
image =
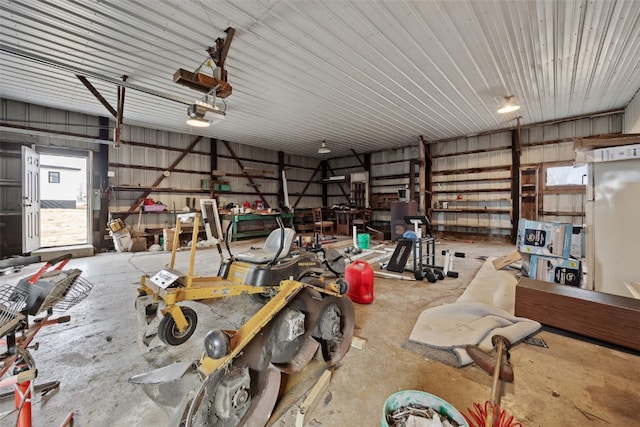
column 254, row 224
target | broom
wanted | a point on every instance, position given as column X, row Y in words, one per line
column 490, row 414
column 139, row 243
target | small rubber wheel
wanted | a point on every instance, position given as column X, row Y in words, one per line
column 430, row 276
column 168, row 331
column 418, row 274
column 439, row 274
column 344, row 286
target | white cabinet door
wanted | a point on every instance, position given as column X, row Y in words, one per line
column 614, row 223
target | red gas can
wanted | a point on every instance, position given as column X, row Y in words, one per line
column 359, row 276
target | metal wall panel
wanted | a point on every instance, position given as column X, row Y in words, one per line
column 21, row 114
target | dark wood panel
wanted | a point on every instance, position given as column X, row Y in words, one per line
column 610, row 318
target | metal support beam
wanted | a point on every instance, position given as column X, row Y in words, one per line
column 246, row 175
column 359, row 160
column 173, row 165
column 213, row 159
column 99, row 182
column 120, row 115
column 315, row 172
column 281, row 201
column 98, row 95
column 346, row 195
column 325, row 176
column 516, row 151
column 425, row 181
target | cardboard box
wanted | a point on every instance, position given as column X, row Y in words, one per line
column 503, row 261
column 563, row 271
column 544, row 238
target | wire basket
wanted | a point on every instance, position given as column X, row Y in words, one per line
column 12, row 302
column 78, row 291
column 55, row 289
column 68, row 289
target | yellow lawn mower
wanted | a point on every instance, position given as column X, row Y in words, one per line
column 257, row 272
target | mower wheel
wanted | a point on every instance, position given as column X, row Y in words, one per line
column 430, row 276
column 168, row 331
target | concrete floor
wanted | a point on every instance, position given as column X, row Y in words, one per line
column 572, row 383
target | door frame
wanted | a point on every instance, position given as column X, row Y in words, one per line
column 86, row 154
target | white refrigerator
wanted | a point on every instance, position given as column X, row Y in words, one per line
column 613, row 223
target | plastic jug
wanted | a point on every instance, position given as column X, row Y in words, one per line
column 359, row 275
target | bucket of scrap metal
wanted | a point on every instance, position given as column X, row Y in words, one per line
column 406, row 406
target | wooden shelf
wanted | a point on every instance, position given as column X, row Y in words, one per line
column 480, row 190
column 158, row 190
column 465, row 181
column 484, row 227
column 469, row 210
column 165, row 212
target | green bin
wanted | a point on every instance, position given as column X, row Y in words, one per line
column 363, row 240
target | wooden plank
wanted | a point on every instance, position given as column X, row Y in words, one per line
column 312, row 400
column 202, row 82
column 472, row 170
column 503, row 261
column 610, row 318
column 608, row 140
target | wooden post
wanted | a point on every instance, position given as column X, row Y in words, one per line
column 422, row 203
column 213, row 159
column 281, row 201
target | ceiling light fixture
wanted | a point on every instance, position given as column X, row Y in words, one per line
column 198, row 122
column 204, row 113
column 323, row 149
column 509, row 105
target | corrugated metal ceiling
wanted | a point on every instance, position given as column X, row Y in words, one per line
column 364, row 75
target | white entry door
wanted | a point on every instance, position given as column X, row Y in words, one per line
column 30, row 200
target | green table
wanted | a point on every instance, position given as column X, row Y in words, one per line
column 254, row 225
